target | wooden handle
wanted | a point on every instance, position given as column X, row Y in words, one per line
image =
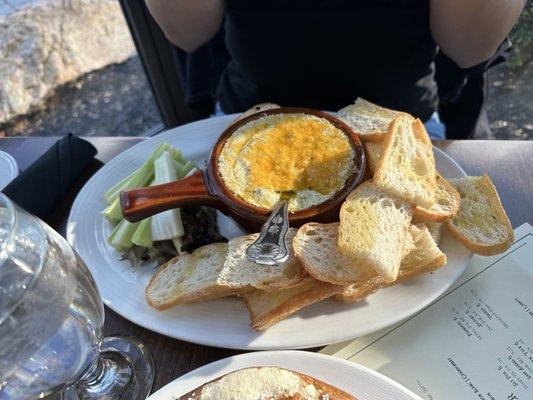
column 138, row 204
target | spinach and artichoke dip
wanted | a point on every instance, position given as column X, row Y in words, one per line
column 298, row 155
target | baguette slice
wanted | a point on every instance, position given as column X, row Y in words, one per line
column 374, row 151
column 435, row 229
column 268, row 308
column 481, row 223
column 426, row 257
column 243, row 274
column 316, row 246
column 407, row 167
column 445, row 207
column 266, row 383
column 256, row 109
column 373, row 229
column 189, row 278
column 369, row 121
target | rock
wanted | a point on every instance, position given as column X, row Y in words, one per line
column 54, row 42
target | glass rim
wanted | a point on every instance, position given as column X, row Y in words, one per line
column 11, row 221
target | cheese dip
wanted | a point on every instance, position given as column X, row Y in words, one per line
column 301, row 155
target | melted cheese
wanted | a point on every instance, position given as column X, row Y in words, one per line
column 301, row 154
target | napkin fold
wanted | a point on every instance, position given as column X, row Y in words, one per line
column 40, row 187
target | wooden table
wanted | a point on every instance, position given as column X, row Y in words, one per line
column 509, row 164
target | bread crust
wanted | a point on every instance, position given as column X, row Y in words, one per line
column 317, row 292
column 323, row 388
column 479, row 248
column 422, row 214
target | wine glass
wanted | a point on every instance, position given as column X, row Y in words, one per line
column 51, row 318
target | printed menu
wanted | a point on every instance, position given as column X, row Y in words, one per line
column 474, row 342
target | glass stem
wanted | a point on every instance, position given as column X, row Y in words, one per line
column 107, row 379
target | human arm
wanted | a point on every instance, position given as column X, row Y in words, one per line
column 470, row 31
column 187, row 23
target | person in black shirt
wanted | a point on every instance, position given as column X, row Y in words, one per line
column 324, row 54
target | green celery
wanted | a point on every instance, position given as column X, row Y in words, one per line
column 176, row 155
column 188, row 167
column 166, row 225
column 120, row 237
column 140, row 178
column 113, row 213
column 143, row 234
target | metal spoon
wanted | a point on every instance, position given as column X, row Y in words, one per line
column 270, row 247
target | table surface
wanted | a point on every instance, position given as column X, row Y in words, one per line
column 509, row 163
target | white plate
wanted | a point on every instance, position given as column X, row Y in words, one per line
column 224, row 322
column 359, row 381
column 9, row 169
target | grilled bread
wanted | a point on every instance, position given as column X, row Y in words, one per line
column 481, row 223
column 241, row 274
column 189, row 278
column 373, row 229
column 369, row 121
column 407, row 167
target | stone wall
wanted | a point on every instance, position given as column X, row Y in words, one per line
column 53, row 42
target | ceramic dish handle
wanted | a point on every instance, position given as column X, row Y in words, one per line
column 138, row 204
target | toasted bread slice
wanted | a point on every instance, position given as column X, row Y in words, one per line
column 267, row 308
column 243, row 274
column 266, row 383
column 481, row 223
column 407, row 167
column 256, row 109
column 316, row 246
column 426, row 257
column 369, row 121
column 435, row 229
column 373, row 228
column 373, row 151
column 445, row 207
column 189, row 278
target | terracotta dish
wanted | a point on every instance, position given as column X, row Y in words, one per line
column 207, row 188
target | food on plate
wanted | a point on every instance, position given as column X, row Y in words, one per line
column 435, row 229
column 481, row 223
column 444, row 207
column 373, row 153
column 368, row 120
column 374, row 228
column 407, row 167
column 389, row 228
column 426, row 257
column 301, row 156
column 189, row 278
column 266, row 383
column 166, row 234
column 316, row 246
column 268, row 308
column 243, row 274
column 256, row 109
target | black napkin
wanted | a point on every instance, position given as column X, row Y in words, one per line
column 40, row 187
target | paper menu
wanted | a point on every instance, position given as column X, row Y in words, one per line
column 474, row 342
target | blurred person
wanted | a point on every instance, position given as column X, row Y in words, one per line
column 324, row 54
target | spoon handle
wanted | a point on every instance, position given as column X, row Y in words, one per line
column 270, row 247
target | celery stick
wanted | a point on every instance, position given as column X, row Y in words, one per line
column 139, row 178
column 176, row 155
column 168, row 224
column 113, row 212
column 187, row 168
column 143, row 234
column 120, row 237
column 123, row 182
column 179, row 167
